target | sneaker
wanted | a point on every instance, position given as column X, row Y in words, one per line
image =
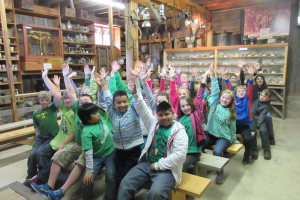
column 42, row 189
column 246, row 160
column 220, row 179
column 267, row 155
column 28, row 182
column 29, row 176
column 254, row 154
column 56, row 194
column 272, row 141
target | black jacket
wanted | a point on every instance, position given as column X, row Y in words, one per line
column 259, row 111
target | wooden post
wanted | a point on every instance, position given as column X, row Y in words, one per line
column 131, row 34
column 8, row 60
column 111, row 32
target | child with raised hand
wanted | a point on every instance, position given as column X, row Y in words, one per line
column 260, row 109
column 191, row 117
column 182, row 79
column 46, row 128
column 127, row 135
column 243, row 102
column 220, row 129
column 163, row 156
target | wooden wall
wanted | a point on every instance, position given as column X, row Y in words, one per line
column 293, row 70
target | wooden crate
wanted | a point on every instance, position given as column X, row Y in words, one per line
column 68, row 12
column 8, row 4
column 46, row 10
column 24, row 4
column 82, row 14
column 91, row 18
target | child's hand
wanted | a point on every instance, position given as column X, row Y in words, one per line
column 152, row 167
column 256, row 67
column 98, row 79
column 86, row 70
column 45, row 72
column 73, row 74
column 223, row 71
column 56, row 80
column 103, row 74
column 93, row 71
column 172, row 72
column 60, row 146
column 88, row 178
column 204, row 76
column 163, row 72
column 194, row 72
column 250, row 69
column 238, row 72
column 131, row 86
column 115, row 66
column 241, row 63
column 211, row 71
column 158, row 69
column 179, row 70
column 136, row 71
column 65, row 69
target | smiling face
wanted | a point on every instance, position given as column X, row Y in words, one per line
column 225, row 99
column 182, row 93
column 67, row 101
column 121, row 103
column 240, row 93
column 155, row 83
column 184, row 77
column 185, row 107
column 44, row 102
column 155, row 93
column 165, row 118
column 233, row 79
column 259, row 81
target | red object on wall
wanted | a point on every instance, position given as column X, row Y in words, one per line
column 276, row 17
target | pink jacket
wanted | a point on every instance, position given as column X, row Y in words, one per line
column 174, row 95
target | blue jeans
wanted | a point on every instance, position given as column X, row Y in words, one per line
column 141, row 175
column 269, row 123
column 40, row 142
column 45, row 154
column 220, row 145
column 110, row 177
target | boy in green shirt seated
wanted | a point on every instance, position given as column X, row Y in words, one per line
column 162, row 158
column 45, row 126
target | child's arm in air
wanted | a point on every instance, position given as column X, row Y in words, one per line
column 70, row 90
column 148, row 92
column 53, row 89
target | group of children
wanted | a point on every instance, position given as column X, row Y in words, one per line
column 144, row 133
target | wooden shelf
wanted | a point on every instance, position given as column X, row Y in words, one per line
column 72, row 31
column 11, row 59
column 75, row 54
column 280, row 56
column 191, row 58
column 12, row 70
column 8, row 83
column 68, row 42
column 7, row 103
column 245, row 64
column 10, row 37
column 81, row 64
column 13, row 44
column 80, row 21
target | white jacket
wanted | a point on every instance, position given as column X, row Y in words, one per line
column 177, row 142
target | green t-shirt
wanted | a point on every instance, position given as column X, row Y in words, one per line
column 46, row 120
column 66, row 126
column 99, row 138
column 187, row 123
column 160, row 145
column 79, row 126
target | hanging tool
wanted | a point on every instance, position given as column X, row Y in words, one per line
column 134, row 20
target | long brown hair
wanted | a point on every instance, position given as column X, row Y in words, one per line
column 231, row 106
column 190, row 101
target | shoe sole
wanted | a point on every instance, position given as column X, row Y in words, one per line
column 38, row 192
column 219, row 183
column 268, row 158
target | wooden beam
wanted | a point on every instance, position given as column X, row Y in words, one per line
column 84, row 5
column 95, row 8
column 182, row 5
column 49, row 2
column 130, row 36
column 111, row 33
column 80, row 1
column 8, row 59
column 201, row 2
column 221, row 5
column 116, row 12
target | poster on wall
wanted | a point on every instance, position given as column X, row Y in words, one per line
column 276, row 17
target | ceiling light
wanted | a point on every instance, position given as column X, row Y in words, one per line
column 111, row 3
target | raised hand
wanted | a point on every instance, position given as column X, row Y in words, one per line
column 98, row 79
column 115, row 66
column 172, row 72
column 86, row 70
column 179, row 70
column 45, row 72
column 72, row 74
column 204, row 76
column 238, row 72
column 56, row 80
column 137, row 70
column 223, row 71
column 241, row 63
column 65, row 69
column 256, row 66
column 131, row 85
column 103, row 74
column 194, row 72
column 250, row 69
column 163, row 72
column 93, row 71
column 158, row 69
column 211, row 71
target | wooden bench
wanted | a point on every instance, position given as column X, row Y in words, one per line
column 233, row 148
column 20, row 135
column 209, row 162
column 190, row 185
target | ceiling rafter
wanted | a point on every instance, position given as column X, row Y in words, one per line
column 84, row 5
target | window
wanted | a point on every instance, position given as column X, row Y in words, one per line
column 102, row 36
